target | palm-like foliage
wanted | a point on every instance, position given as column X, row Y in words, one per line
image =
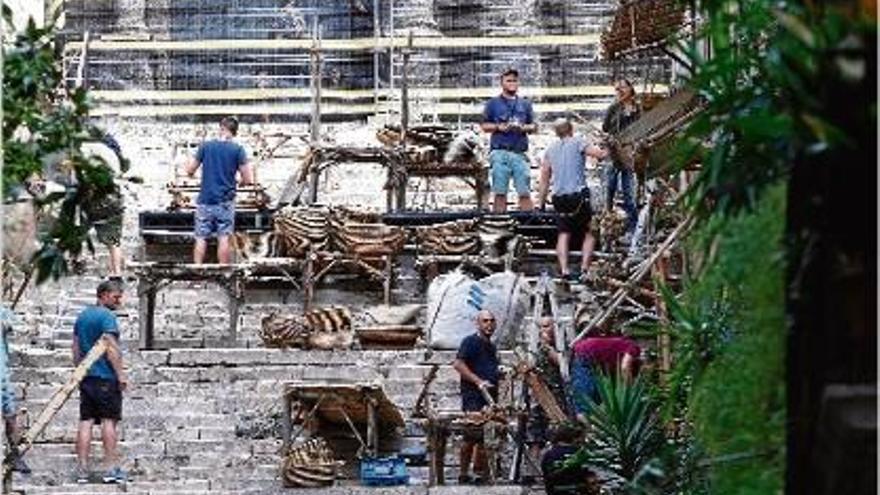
column 623, row 429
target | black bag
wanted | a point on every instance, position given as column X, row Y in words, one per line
column 571, row 204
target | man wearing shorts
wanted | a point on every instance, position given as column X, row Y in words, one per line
column 101, row 390
column 221, row 159
column 477, row 364
column 510, row 119
column 564, row 169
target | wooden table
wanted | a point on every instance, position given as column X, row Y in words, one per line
column 352, row 405
column 153, row 277
column 440, row 426
column 473, row 174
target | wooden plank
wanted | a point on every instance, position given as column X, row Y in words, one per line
column 117, row 96
column 304, row 109
column 560, row 334
column 353, row 44
column 347, row 396
column 59, row 398
column 539, row 389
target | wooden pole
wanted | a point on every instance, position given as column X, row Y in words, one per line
column 377, row 32
column 315, row 123
column 391, row 47
column 81, row 70
column 24, row 283
column 59, row 398
column 661, row 270
column 404, row 88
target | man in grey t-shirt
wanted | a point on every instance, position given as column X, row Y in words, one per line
column 563, row 169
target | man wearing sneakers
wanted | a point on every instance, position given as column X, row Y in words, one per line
column 221, row 160
column 564, row 168
column 101, row 390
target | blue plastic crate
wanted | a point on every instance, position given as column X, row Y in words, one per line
column 383, row 471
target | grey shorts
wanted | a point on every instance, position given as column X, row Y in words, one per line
column 215, row 220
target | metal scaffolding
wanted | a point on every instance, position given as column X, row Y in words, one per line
column 232, row 47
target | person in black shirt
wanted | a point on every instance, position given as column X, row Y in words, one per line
column 623, row 112
column 559, row 480
column 477, row 363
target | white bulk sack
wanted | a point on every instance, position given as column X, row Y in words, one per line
column 454, row 299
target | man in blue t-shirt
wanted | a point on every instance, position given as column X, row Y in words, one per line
column 510, row 119
column 221, row 160
column 101, row 390
column 477, row 363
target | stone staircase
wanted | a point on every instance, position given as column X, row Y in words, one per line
column 208, row 420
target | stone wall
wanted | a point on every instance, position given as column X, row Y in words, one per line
column 274, row 19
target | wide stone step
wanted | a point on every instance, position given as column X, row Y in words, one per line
column 341, row 488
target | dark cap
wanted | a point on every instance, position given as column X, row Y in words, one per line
column 510, row 71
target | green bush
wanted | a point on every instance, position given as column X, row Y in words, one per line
column 728, row 383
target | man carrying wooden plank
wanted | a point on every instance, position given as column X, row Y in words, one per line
column 101, row 390
column 477, row 363
column 221, row 160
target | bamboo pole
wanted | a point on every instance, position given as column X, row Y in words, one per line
column 263, row 94
column 135, row 110
column 643, row 269
column 315, row 122
column 354, row 44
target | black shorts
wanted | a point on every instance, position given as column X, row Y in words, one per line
column 574, row 212
column 99, row 399
column 473, row 401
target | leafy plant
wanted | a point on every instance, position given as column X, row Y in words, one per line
column 767, row 85
column 623, row 429
column 785, row 81
column 44, row 125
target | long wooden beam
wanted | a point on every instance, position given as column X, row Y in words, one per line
column 328, row 109
column 354, row 44
column 643, row 269
column 344, row 94
column 59, row 398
